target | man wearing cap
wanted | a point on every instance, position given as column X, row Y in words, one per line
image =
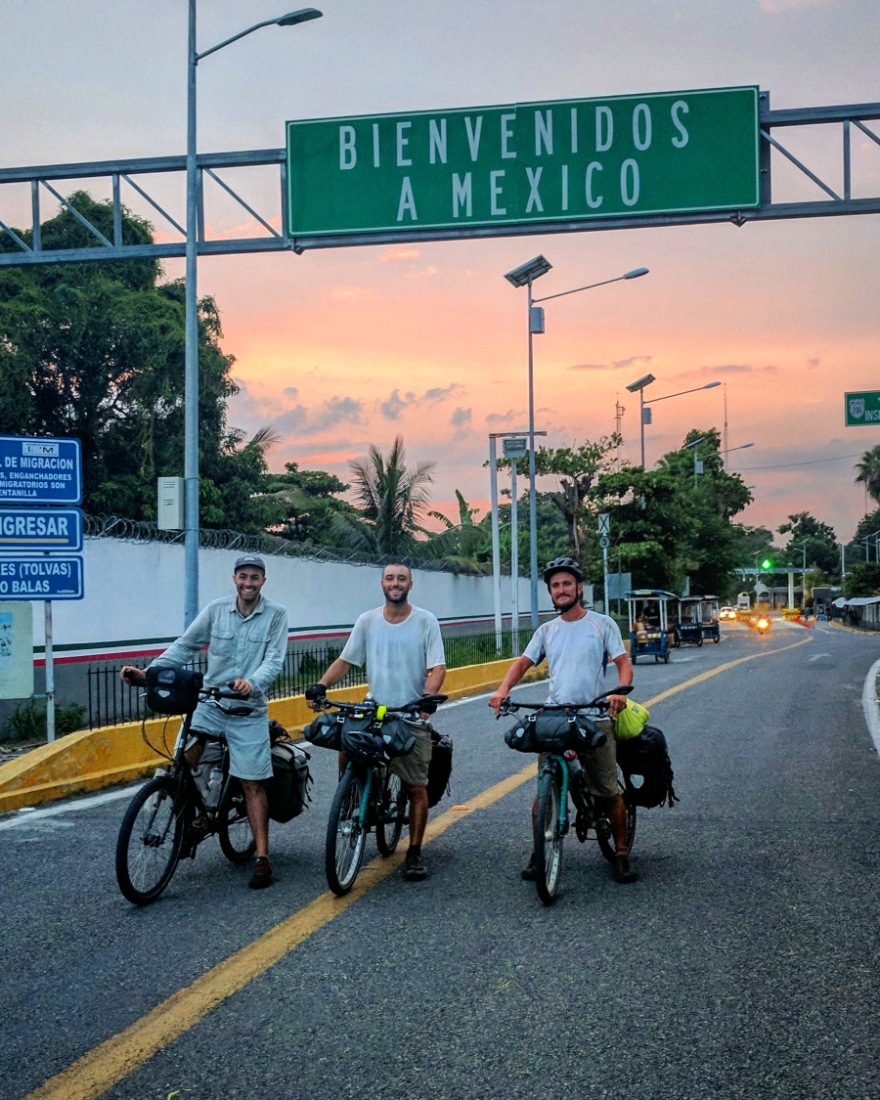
column 246, row 636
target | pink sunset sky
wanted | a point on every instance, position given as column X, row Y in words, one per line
column 343, row 348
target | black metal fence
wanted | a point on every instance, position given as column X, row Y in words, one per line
column 112, row 702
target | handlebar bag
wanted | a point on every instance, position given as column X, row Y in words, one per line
column 440, row 768
column 546, row 731
column 288, row 789
column 325, row 732
column 647, row 758
column 173, row 690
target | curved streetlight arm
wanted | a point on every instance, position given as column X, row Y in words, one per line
column 283, row 21
column 629, row 275
column 681, row 393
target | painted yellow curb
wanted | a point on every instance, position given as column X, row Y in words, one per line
column 92, row 759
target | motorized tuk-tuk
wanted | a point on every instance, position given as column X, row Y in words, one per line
column 688, row 629
column 649, row 631
column 711, row 623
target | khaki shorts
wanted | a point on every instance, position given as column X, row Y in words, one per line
column 413, row 767
column 600, row 766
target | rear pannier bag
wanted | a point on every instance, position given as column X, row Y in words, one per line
column 288, row 789
column 173, row 690
column 440, row 770
column 551, row 731
column 647, row 758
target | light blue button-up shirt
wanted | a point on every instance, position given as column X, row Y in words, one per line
column 251, row 648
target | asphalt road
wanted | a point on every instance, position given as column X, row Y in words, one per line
column 744, row 963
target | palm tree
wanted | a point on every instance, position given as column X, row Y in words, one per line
column 391, row 498
column 869, row 472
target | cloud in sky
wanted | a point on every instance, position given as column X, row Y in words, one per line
column 461, row 418
column 291, row 391
column 505, row 418
column 302, row 421
column 353, row 294
column 618, row 364
column 781, row 7
column 394, row 406
column 813, row 363
column 727, row 368
column 396, row 252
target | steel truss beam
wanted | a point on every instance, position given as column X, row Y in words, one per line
column 119, row 171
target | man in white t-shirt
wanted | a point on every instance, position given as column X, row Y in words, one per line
column 575, row 645
column 402, row 650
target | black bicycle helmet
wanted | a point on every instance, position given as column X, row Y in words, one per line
column 563, row 565
column 360, row 744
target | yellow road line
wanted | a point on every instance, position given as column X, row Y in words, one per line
column 104, row 1066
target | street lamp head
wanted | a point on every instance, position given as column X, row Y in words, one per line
column 301, row 16
column 529, row 271
column 637, row 273
column 711, row 385
column 743, row 446
column 640, row 383
column 694, row 443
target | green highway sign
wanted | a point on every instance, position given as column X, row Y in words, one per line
column 524, row 163
column 862, row 408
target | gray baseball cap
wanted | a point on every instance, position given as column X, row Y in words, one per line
column 249, row 559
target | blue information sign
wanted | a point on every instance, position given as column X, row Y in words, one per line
column 40, row 470
column 53, row 529
column 41, row 578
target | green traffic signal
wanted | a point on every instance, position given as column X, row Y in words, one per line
column 766, row 564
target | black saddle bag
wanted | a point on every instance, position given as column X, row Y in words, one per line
column 440, row 769
column 288, row 791
column 554, row 731
column 325, row 732
column 647, row 769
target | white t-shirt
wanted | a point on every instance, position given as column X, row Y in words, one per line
column 574, row 653
column 397, row 655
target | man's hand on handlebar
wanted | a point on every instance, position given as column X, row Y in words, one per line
column 496, row 700
column 240, row 687
column 131, row 675
column 316, row 696
column 616, row 704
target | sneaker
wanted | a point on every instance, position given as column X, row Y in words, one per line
column 262, row 876
column 622, row 870
column 414, row 867
column 528, row 873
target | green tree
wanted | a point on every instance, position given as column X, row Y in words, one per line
column 869, row 472
column 862, row 579
column 391, row 498
column 96, row 351
column 306, row 504
column 817, row 538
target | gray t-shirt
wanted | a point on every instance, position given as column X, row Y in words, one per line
column 397, row 656
column 575, row 653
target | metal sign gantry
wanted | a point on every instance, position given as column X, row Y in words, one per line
column 45, row 179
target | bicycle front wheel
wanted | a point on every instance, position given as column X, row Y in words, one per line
column 393, row 806
column 233, row 825
column 548, row 837
column 346, row 840
column 149, row 842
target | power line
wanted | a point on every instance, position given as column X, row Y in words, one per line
column 809, row 462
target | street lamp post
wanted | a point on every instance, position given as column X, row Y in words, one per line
column 525, row 275
column 646, row 380
column 191, row 360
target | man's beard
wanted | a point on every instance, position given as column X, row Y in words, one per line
column 563, row 607
column 395, row 598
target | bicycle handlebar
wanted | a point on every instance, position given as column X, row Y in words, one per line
column 371, row 706
column 599, row 703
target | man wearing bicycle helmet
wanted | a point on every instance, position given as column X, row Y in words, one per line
column 402, row 649
column 577, row 645
column 246, row 636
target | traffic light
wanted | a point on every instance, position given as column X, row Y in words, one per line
column 766, row 564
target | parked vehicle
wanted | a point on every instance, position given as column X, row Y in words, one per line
column 650, row 634
column 688, row 630
column 711, row 618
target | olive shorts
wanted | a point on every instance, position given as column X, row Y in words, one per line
column 413, row 766
column 599, row 764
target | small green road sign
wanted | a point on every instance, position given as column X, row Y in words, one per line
column 862, row 408
column 524, row 163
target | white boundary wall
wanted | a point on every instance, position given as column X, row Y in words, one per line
column 134, row 596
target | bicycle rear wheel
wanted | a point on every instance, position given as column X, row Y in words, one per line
column 548, row 837
column 394, row 800
column 346, row 840
column 606, row 843
column 233, row 825
column 149, row 842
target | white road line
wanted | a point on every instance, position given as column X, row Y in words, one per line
column 28, row 815
column 869, row 705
